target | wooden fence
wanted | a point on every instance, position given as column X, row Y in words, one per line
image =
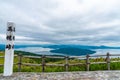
column 66, row 58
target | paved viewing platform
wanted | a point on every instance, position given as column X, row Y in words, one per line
column 82, row 75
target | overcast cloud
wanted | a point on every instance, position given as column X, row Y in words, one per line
column 85, row 22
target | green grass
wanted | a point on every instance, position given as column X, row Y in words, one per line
column 93, row 67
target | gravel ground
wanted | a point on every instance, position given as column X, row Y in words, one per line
column 92, row 75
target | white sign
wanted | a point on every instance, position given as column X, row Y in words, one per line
column 9, row 51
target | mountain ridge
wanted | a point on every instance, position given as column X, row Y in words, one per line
column 2, row 47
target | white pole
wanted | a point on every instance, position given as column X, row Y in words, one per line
column 9, row 51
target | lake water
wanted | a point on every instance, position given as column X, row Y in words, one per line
column 38, row 50
column 46, row 51
column 104, row 51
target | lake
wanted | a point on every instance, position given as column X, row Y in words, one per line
column 46, row 51
column 104, row 51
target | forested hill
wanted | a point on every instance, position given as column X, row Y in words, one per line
column 62, row 46
column 73, row 51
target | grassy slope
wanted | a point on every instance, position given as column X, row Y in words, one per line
column 114, row 66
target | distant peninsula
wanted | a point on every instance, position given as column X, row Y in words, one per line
column 73, row 51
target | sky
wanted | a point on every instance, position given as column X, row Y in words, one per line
column 79, row 22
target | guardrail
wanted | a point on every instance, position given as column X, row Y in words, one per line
column 66, row 58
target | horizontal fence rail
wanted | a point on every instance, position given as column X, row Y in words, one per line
column 87, row 63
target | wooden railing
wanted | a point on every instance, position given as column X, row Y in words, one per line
column 66, row 58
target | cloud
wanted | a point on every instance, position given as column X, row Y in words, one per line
column 89, row 22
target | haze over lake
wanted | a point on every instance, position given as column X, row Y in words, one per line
column 46, row 51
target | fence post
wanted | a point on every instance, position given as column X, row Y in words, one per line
column 66, row 63
column 43, row 63
column 19, row 62
column 108, row 61
column 87, row 62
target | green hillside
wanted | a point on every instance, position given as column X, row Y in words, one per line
column 73, row 51
column 93, row 67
